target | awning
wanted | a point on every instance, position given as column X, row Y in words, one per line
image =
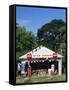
column 41, row 52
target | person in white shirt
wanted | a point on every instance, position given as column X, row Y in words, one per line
column 19, row 69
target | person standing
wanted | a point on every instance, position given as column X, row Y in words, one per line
column 22, row 69
column 29, row 71
column 26, row 68
column 19, row 69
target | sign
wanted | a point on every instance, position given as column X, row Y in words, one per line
column 29, row 56
column 54, row 55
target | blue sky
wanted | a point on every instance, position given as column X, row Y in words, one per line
column 33, row 18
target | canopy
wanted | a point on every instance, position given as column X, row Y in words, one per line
column 41, row 52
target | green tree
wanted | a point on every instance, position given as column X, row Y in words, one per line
column 52, row 34
column 25, row 41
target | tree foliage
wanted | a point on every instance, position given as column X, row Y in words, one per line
column 25, row 41
column 52, row 33
column 53, row 36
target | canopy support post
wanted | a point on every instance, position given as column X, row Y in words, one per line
column 59, row 67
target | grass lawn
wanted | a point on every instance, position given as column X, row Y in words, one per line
column 36, row 79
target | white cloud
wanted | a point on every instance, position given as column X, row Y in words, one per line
column 23, row 22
